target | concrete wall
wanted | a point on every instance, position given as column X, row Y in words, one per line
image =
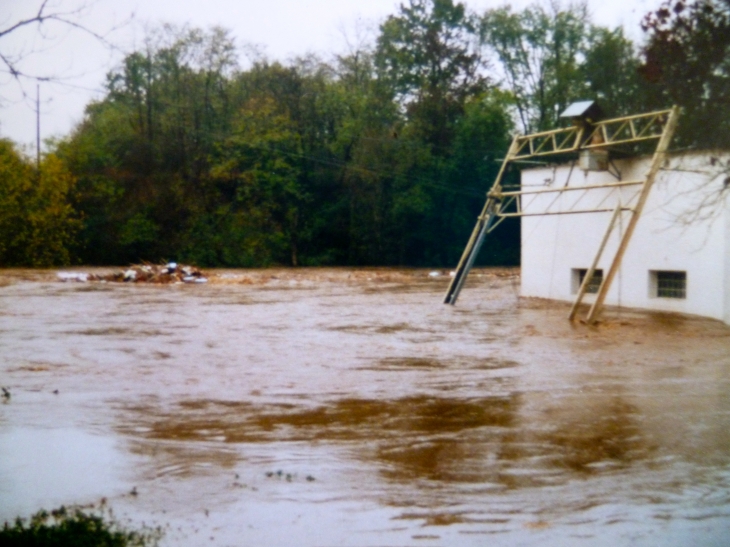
column 685, row 227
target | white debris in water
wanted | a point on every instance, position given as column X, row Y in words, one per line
column 452, row 274
column 73, row 276
column 434, row 274
column 171, row 272
column 194, row 279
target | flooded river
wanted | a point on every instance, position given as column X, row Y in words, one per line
column 352, row 408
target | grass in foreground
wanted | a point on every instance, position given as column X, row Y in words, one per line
column 73, row 528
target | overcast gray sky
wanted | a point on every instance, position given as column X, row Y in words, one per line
column 281, row 28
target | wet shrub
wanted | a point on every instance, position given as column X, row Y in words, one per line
column 73, row 528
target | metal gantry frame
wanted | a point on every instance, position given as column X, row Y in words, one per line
column 601, row 135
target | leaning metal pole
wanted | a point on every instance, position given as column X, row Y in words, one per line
column 592, row 270
column 484, row 223
column 656, row 163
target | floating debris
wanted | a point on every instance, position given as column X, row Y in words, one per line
column 172, row 272
column 73, row 276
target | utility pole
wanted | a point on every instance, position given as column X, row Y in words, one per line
column 38, row 126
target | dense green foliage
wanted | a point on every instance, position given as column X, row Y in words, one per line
column 37, row 223
column 380, row 156
column 72, row 528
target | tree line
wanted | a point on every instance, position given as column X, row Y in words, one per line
column 378, row 156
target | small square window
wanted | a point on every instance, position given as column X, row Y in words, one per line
column 593, row 285
column 665, row 284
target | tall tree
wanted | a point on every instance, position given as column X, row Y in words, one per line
column 610, row 71
column 538, row 49
column 259, row 166
column 428, row 54
column 364, row 148
column 687, row 55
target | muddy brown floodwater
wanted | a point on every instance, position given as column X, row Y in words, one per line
column 352, row 408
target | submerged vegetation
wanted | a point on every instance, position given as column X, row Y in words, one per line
column 73, row 528
column 377, row 156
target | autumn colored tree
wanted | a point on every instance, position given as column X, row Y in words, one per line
column 687, row 56
column 37, row 223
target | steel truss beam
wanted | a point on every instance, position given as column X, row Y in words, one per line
column 602, row 135
column 606, row 133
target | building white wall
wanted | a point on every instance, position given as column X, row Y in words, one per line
column 685, row 226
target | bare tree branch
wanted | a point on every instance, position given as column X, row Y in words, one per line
column 701, row 198
column 47, row 14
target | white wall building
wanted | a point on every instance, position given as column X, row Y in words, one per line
column 678, row 258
